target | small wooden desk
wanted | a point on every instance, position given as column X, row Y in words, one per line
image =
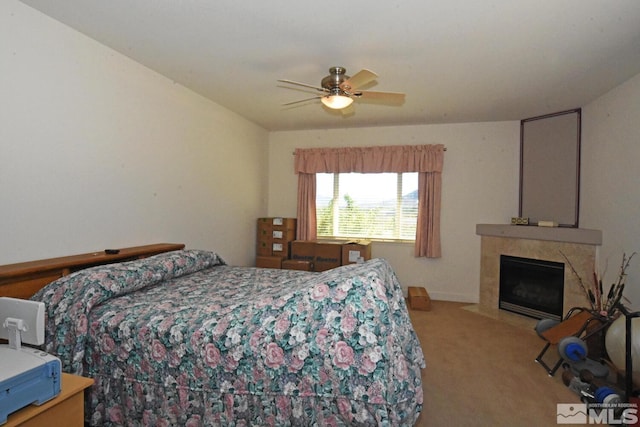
column 65, row 410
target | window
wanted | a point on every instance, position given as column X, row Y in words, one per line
column 374, row 205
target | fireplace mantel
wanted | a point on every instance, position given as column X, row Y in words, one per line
column 557, row 234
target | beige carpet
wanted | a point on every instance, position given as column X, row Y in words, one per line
column 481, row 371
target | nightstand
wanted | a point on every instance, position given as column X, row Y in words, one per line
column 65, row 410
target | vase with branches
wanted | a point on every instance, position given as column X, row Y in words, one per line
column 604, row 303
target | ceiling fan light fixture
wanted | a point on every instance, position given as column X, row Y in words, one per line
column 339, row 90
column 336, row 102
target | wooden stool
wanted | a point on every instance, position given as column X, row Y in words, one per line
column 419, row 299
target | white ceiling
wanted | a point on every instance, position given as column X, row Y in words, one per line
column 457, row 60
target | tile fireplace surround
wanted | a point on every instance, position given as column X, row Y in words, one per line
column 543, row 243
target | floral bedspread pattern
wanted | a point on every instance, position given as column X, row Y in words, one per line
column 70, row 299
column 183, row 339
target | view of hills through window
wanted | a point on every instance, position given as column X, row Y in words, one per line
column 373, row 206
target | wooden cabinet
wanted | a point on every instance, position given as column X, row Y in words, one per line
column 65, row 410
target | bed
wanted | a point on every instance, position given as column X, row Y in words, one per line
column 182, row 338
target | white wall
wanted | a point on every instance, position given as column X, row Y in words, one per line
column 480, row 185
column 97, row 151
column 610, row 191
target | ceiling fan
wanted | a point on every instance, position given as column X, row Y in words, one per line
column 339, row 90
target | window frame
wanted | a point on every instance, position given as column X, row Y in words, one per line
column 398, row 210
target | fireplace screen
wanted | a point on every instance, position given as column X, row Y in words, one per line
column 531, row 287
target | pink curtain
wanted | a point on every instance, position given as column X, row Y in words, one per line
column 307, row 228
column 428, row 225
column 425, row 159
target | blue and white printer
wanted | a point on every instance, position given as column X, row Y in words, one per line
column 27, row 375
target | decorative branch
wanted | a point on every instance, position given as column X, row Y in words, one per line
column 619, row 285
column 582, row 285
column 595, row 295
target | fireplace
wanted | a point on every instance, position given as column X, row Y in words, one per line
column 531, row 287
column 546, row 243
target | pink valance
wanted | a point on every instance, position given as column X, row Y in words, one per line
column 394, row 158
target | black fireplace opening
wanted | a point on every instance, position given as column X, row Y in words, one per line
column 531, row 287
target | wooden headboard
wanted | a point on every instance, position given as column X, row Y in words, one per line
column 24, row 279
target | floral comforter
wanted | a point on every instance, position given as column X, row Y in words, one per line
column 183, row 339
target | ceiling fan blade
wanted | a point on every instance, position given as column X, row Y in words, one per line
column 395, row 97
column 360, row 78
column 302, row 100
column 303, row 84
